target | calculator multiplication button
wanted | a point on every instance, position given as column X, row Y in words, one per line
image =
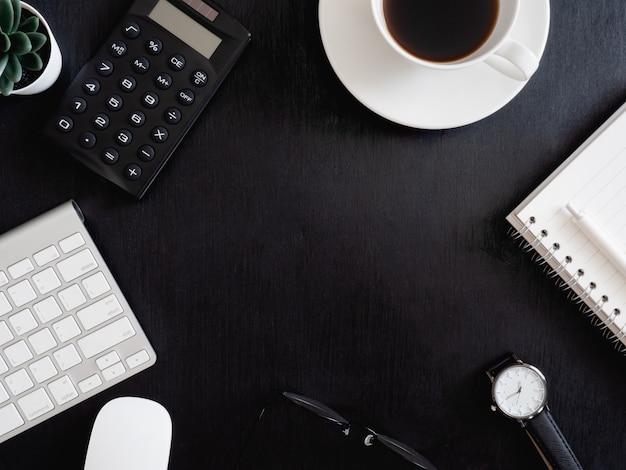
column 186, row 97
column 163, row 81
column 91, row 86
column 78, row 105
column 176, row 62
column 87, row 140
column 124, row 137
column 173, row 115
column 128, row 83
column 150, row 99
column 118, row 49
column 131, row 30
column 110, row 156
column 199, row 78
column 154, row 46
column 141, row 65
column 137, row 118
column 115, row 102
column 146, row 153
column 65, row 124
column 104, row 68
column 132, row 172
column 101, row 121
column 159, row 134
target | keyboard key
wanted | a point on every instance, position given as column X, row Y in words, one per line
column 77, row 265
column 18, row 353
column 107, row 360
column 72, row 297
column 107, row 337
column 48, row 309
column 4, row 280
column 113, row 372
column 23, row 322
column 4, row 395
column 90, row 383
column 43, row 369
column 22, row 293
column 46, row 281
column 71, row 243
column 96, row 285
column 66, row 329
column 98, row 313
column 137, row 359
column 5, row 334
column 35, row 404
column 19, row 382
column 42, row 341
column 46, row 255
column 5, row 306
column 10, row 419
column 67, row 357
column 20, row 268
column 63, row 390
column 3, row 366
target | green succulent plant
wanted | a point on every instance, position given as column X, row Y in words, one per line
column 19, row 44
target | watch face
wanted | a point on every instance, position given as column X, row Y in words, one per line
column 520, row 391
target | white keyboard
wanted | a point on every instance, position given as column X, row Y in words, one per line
column 66, row 330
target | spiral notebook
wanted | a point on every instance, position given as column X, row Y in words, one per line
column 575, row 222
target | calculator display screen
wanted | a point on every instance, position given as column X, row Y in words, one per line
column 185, row 28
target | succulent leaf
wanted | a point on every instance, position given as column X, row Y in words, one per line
column 13, row 70
column 6, row 87
column 5, row 43
column 17, row 14
column 30, row 24
column 32, row 61
column 37, row 40
column 4, row 60
column 6, row 15
column 20, row 43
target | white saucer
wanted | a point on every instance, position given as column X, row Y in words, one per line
column 412, row 95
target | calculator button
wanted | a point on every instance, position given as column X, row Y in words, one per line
column 110, row 156
column 87, row 140
column 173, row 115
column 186, row 97
column 137, row 119
column 150, row 99
column 101, row 121
column 128, row 83
column 141, row 65
column 199, row 78
column 131, row 30
column 145, row 153
column 104, row 68
column 163, row 81
column 124, row 137
column 133, row 172
column 91, row 86
column 154, row 46
column 176, row 62
column 159, row 134
column 115, row 102
column 118, row 49
column 65, row 124
column 78, row 105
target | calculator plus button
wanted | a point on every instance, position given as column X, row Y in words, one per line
column 91, row 86
column 199, row 78
column 173, row 115
column 131, row 30
column 145, row 153
column 79, row 105
column 118, row 49
column 124, row 137
column 65, row 124
column 110, row 156
column 186, row 97
column 115, row 102
column 87, row 140
column 128, row 83
column 133, row 172
column 163, row 81
column 137, row 118
column 104, row 68
column 176, row 62
column 154, row 46
column 101, row 121
column 150, row 99
column 141, row 65
column 159, row 134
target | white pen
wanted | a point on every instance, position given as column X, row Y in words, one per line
column 599, row 236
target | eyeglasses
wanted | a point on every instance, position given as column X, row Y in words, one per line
column 290, row 434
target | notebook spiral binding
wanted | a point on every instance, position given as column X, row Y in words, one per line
column 529, row 243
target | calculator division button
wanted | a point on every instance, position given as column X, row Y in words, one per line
column 137, row 118
column 154, row 46
column 128, row 83
column 186, row 97
column 150, row 99
column 132, row 172
column 101, row 121
column 141, row 65
column 104, row 68
column 115, row 102
column 199, row 78
column 163, row 81
column 173, row 115
column 145, row 153
column 91, row 86
column 131, row 30
column 159, row 134
column 78, row 105
column 176, row 62
column 110, row 156
column 87, row 140
column 124, row 137
column 118, row 49
column 65, row 124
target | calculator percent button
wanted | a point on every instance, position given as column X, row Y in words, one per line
column 154, row 46
column 118, row 49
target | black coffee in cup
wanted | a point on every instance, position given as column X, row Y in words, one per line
column 440, row 30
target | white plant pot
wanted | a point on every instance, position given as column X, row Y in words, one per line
column 52, row 69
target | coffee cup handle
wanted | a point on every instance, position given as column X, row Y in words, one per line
column 514, row 60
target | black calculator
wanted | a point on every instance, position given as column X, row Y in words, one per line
column 131, row 105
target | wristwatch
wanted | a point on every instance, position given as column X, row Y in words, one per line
column 519, row 391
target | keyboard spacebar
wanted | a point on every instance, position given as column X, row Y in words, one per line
column 106, row 337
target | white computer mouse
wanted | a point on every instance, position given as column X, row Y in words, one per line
column 130, row 433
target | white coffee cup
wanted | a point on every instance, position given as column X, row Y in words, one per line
column 499, row 50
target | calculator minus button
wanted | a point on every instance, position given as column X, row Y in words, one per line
column 146, row 153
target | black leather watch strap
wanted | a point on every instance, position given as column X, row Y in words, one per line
column 550, row 442
column 500, row 364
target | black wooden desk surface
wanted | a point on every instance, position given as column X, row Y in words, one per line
column 299, row 241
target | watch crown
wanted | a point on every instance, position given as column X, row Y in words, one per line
column 493, row 408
